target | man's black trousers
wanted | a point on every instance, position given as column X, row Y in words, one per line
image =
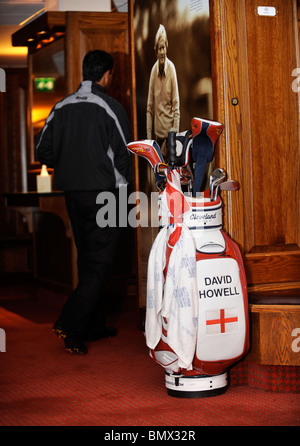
column 84, row 311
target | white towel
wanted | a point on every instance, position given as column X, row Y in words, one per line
column 180, row 302
column 177, row 299
column 155, row 285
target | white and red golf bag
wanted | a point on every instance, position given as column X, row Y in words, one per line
column 197, row 307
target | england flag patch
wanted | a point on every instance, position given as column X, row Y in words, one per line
column 220, row 321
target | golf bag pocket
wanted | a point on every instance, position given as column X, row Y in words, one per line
column 222, row 337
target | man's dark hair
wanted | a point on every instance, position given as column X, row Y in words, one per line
column 95, row 64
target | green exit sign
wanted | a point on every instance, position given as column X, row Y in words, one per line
column 44, row 83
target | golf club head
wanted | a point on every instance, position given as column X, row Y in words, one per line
column 229, row 185
column 219, row 177
column 148, row 149
column 205, row 135
column 184, row 141
column 213, row 129
column 216, row 185
column 214, row 175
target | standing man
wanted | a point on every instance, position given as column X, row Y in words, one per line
column 163, row 97
column 84, row 139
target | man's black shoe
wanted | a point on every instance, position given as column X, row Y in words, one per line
column 74, row 345
column 106, row 332
column 59, row 331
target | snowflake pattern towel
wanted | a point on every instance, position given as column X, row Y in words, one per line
column 176, row 296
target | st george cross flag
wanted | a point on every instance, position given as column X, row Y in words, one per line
column 222, row 321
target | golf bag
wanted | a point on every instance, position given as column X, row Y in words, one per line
column 197, row 306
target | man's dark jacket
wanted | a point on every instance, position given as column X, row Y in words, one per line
column 84, row 139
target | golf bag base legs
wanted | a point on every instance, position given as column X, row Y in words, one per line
column 196, row 386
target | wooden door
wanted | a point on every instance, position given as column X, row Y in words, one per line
column 86, row 31
column 253, row 60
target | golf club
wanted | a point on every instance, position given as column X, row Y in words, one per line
column 229, row 185
column 215, row 174
column 220, row 176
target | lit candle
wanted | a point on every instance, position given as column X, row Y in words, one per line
column 44, row 181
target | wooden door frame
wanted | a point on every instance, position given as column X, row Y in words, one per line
column 266, row 270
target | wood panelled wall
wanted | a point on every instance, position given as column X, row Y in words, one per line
column 13, row 128
column 86, row 31
column 15, row 242
column 13, row 121
column 252, row 59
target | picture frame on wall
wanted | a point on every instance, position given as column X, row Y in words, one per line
column 187, row 28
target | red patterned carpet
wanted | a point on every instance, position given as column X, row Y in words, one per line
column 116, row 384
